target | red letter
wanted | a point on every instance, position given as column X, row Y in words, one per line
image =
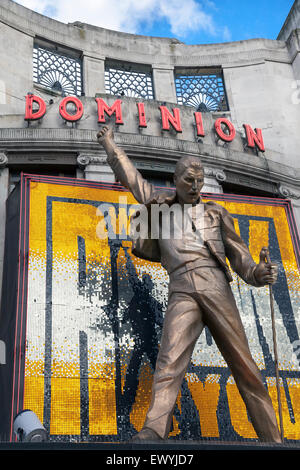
column 199, row 124
column 254, row 137
column 63, row 109
column 29, row 114
column 115, row 108
column 142, row 115
column 226, row 137
column 167, row 118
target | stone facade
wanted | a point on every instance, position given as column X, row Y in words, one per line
column 262, row 82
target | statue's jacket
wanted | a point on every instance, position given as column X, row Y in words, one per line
column 220, row 235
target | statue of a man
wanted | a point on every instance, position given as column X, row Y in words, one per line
column 199, row 292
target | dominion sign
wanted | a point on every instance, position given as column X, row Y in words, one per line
column 81, row 318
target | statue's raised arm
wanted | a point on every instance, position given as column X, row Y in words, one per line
column 124, row 170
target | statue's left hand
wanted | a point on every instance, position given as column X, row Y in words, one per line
column 265, row 272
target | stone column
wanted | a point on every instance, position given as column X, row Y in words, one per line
column 93, row 75
column 4, row 180
column 293, row 45
column 164, row 83
column 95, row 168
column 296, row 209
column 212, row 179
column 294, row 196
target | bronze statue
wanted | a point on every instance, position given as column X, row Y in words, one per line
column 199, row 293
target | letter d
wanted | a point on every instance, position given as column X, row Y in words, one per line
column 31, row 115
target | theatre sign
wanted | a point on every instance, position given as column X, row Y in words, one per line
column 35, row 109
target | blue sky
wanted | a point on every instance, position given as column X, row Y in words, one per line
column 190, row 21
column 238, row 20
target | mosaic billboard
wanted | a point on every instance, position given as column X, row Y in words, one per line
column 83, row 318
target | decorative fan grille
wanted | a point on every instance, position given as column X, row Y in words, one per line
column 57, row 72
column 205, row 92
column 127, row 82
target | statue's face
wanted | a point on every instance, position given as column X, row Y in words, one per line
column 189, row 185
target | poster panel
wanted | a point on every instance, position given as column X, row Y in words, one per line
column 92, row 318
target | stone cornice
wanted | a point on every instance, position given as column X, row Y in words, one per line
column 140, row 147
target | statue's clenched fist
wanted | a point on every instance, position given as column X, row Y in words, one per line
column 106, row 133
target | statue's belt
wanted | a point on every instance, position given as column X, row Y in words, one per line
column 198, row 263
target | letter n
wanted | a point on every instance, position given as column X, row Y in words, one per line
column 168, row 118
column 30, row 114
column 109, row 110
column 254, row 137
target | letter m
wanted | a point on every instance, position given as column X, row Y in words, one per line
column 109, row 110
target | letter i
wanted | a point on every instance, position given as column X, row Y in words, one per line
column 199, row 124
column 142, row 115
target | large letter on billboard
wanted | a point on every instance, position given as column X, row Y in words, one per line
column 231, row 130
column 142, row 115
column 254, row 137
column 104, row 108
column 63, row 109
column 199, row 124
column 167, row 118
column 31, row 115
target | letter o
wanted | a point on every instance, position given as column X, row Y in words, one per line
column 218, row 126
column 63, row 109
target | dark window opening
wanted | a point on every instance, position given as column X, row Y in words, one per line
column 44, row 170
column 269, row 191
column 158, row 179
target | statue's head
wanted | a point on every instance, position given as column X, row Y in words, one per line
column 189, row 179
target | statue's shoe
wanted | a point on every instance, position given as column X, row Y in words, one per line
column 146, row 434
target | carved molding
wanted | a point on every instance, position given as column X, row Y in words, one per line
column 83, row 161
column 287, row 192
column 215, row 173
column 3, row 160
column 87, row 159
